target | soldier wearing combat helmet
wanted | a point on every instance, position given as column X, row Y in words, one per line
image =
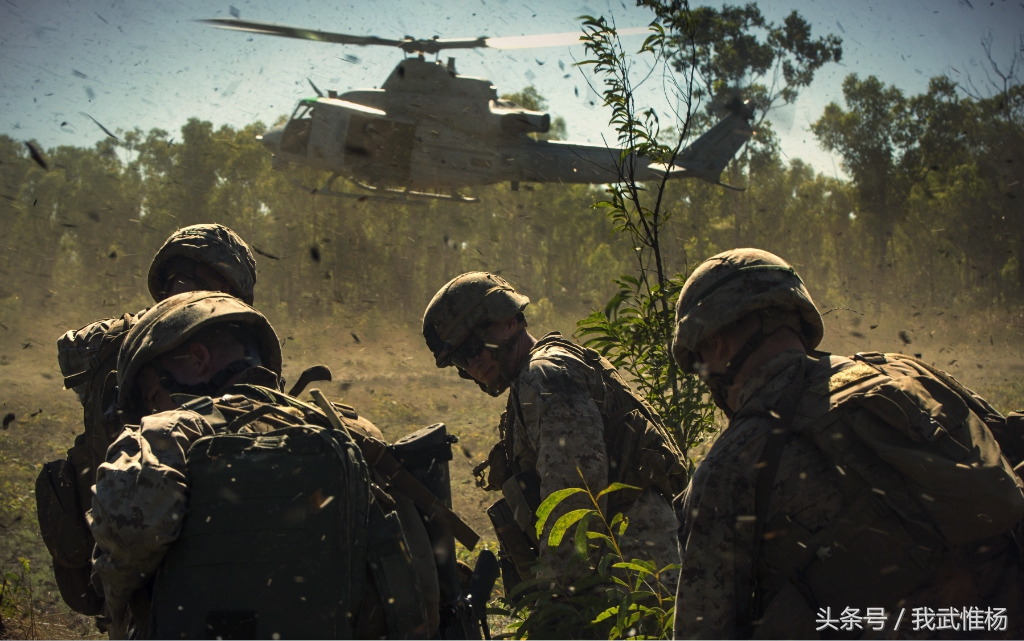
column 198, row 257
column 259, row 516
column 568, row 410
column 840, row 484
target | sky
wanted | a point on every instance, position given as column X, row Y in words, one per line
column 149, row 65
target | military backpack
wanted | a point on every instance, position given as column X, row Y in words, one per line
column 87, row 359
column 283, row 536
column 923, row 483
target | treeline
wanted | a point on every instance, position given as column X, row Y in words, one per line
column 931, row 216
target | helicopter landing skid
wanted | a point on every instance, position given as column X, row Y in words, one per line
column 356, row 197
column 454, row 196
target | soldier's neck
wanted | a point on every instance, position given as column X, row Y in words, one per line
column 521, row 353
column 782, row 340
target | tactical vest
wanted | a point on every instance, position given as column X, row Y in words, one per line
column 282, row 531
column 922, row 481
column 640, row 450
column 87, row 359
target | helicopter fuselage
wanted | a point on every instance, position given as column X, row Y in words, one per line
column 428, row 127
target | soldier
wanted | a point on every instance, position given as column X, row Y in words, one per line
column 198, row 257
column 863, row 489
column 568, row 413
column 228, row 509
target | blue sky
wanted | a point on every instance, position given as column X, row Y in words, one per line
column 147, row 64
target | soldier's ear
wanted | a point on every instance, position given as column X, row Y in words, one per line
column 201, row 359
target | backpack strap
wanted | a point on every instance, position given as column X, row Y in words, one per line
column 768, row 468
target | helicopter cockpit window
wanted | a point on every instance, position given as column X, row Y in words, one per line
column 296, row 132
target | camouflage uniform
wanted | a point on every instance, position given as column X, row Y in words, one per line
column 717, row 537
column 141, row 494
column 87, row 357
column 763, row 552
column 562, row 411
column 556, row 427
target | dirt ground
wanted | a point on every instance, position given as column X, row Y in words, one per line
column 389, row 376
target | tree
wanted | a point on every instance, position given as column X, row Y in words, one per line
column 737, row 55
column 868, row 135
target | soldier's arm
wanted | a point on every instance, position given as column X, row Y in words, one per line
column 564, row 426
column 716, row 543
column 140, row 499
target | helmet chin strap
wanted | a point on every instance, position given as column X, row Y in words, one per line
column 216, row 382
column 720, row 382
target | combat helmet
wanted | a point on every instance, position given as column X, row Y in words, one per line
column 729, row 286
column 173, row 321
column 464, row 303
column 209, row 244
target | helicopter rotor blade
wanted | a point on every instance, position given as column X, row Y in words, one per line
column 408, row 44
column 270, row 29
column 551, row 39
column 315, row 88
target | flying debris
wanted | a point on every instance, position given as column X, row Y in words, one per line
column 264, row 253
column 98, row 124
column 37, row 156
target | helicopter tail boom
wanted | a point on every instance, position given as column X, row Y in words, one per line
column 570, row 162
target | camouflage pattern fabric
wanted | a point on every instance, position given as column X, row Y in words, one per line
column 209, row 244
column 717, row 536
column 463, row 303
column 140, row 501
column 726, row 287
column 557, row 428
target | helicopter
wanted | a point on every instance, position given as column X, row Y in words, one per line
column 429, row 132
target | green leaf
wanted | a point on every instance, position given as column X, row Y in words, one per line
column 553, row 499
column 606, row 561
column 610, row 612
column 530, row 583
column 615, row 487
column 581, row 534
column 563, row 523
column 636, row 567
column 604, row 537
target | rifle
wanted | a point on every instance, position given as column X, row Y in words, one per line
column 378, row 455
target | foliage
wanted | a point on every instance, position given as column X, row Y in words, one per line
column 941, row 161
column 635, row 329
column 16, row 597
column 724, row 48
column 78, row 238
column 613, row 598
